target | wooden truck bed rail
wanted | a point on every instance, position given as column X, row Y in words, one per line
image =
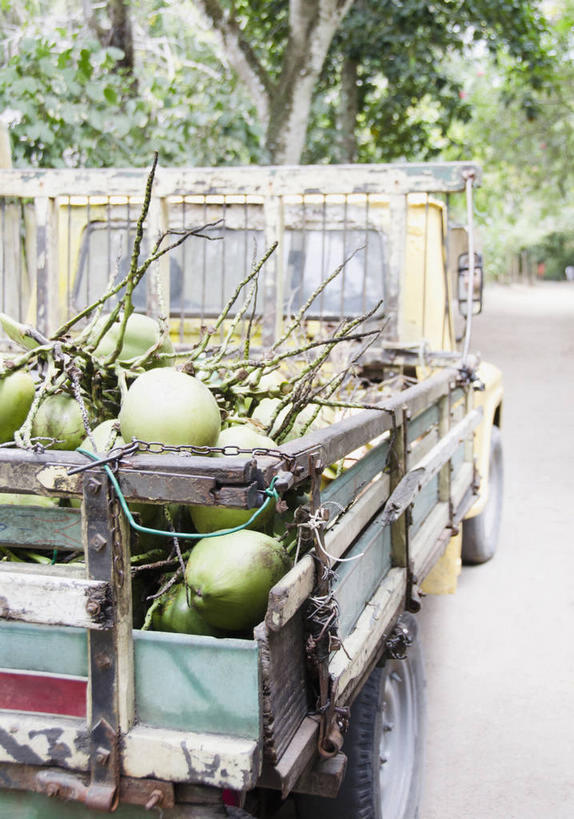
column 392, row 511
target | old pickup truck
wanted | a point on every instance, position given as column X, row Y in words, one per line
column 320, row 710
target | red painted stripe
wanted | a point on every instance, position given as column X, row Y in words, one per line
column 43, row 693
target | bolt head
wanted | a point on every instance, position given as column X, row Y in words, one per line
column 93, row 608
column 93, row 486
column 98, row 542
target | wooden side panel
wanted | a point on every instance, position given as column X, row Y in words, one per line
column 41, row 598
column 357, row 578
column 284, row 684
column 50, row 649
column 40, row 528
column 204, row 684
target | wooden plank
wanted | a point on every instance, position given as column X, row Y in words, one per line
column 461, row 482
column 421, row 447
column 42, row 693
column 182, row 682
column 423, row 504
column 38, row 527
column 50, row 649
column 429, row 466
column 344, row 489
column 289, row 594
column 399, row 178
column 352, row 659
column 423, row 547
column 178, row 756
column 295, row 760
column 324, row 778
column 284, row 688
column 422, row 423
column 59, row 601
column 367, row 562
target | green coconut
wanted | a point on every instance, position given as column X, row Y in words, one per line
column 59, row 417
column 212, row 518
column 142, row 333
column 16, row 396
column 174, row 614
column 170, row 407
column 229, row 577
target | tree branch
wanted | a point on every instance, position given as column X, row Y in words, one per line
column 240, row 55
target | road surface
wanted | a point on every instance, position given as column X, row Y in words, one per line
column 500, row 652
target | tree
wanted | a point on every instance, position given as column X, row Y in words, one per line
column 521, row 129
column 363, row 79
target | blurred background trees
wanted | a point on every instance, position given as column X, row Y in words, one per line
column 211, row 82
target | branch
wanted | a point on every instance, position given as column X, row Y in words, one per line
column 240, row 55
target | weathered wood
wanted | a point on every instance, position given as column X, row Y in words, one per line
column 284, row 693
column 196, row 671
column 346, row 488
column 367, row 562
column 295, row 760
column 37, row 527
column 181, row 756
column 289, row 594
column 324, row 778
column 424, row 550
column 148, row 753
column 253, row 181
column 429, row 466
column 59, row 601
column 352, row 659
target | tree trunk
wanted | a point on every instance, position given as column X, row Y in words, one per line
column 312, row 26
column 348, row 110
column 120, row 34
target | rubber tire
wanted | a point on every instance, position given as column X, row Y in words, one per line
column 480, row 533
column 360, row 795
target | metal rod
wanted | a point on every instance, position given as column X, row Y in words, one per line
column 469, row 180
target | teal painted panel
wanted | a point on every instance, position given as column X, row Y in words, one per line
column 421, row 423
column 41, row 527
column 182, row 682
column 51, row 649
column 357, row 580
column 424, row 503
column 347, row 486
column 191, row 683
column 24, row 805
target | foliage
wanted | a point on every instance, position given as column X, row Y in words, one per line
column 522, row 132
column 69, row 104
column 408, row 96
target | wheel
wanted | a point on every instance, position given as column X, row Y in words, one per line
column 480, row 534
column 384, row 745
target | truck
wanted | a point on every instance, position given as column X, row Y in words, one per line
column 319, row 711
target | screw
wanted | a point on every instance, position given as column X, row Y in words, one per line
column 103, row 660
column 155, row 799
column 98, row 542
column 93, row 486
column 93, row 607
column 102, row 756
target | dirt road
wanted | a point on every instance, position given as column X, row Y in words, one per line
column 500, row 653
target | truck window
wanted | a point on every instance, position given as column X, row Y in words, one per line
column 204, row 273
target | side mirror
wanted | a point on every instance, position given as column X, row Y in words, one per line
column 463, row 284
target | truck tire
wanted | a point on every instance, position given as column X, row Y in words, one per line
column 480, row 534
column 384, row 745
